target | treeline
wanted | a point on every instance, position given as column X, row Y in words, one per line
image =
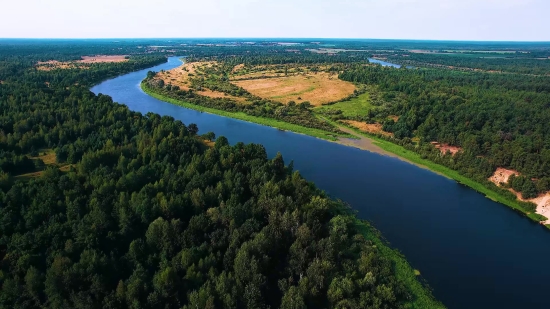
column 147, row 216
column 498, row 120
column 12, row 70
column 537, row 63
column 300, row 114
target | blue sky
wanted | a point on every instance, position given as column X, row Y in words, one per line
column 515, row 20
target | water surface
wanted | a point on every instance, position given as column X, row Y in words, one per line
column 474, row 253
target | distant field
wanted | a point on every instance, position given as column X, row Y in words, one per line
column 80, row 64
column 316, row 88
column 358, row 106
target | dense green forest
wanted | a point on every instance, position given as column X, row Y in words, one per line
column 533, row 64
column 498, row 120
column 138, row 211
column 496, row 113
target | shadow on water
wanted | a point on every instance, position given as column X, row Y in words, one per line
column 474, row 252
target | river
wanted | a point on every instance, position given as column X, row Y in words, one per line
column 473, row 252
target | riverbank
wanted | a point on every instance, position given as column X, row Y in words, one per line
column 404, row 272
column 365, row 141
column 414, row 158
column 281, row 125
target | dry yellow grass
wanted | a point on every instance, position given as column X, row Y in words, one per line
column 375, row 128
column 103, row 59
column 48, row 158
column 79, row 64
column 180, row 77
column 237, row 68
column 219, row 94
column 318, row 89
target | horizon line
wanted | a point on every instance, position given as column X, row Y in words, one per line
column 268, row 38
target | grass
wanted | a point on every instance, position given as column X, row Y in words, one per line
column 318, row 89
column 245, row 117
column 449, row 173
column 47, row 156
column 423, row 298
column 357, row 106
column 29, row 176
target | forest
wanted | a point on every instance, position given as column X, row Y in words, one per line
column 491, row 101
column 103, row 207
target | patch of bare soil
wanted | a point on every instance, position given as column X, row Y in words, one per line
column 444, row 148
column 502, row 175
column 375, row 128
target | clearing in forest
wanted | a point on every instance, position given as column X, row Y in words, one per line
column 354, row 107
column 317, row 88
column 80, row 64
column 444, row 148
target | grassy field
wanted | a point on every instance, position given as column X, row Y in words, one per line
column 245, row 117
column 49, row 158
column 316, row 88
column 355, row 107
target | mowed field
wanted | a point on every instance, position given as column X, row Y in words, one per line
column 317, row 88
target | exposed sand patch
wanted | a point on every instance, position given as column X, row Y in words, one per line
column 502, row 175
column 543, row 205
column 318, row 89
column 375, row 128
column 443, row 148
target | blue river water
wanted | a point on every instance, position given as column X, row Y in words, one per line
column 473, row 252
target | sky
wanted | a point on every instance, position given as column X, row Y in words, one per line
column 492, row 20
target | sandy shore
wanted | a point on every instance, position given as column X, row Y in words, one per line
column 366, row 143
